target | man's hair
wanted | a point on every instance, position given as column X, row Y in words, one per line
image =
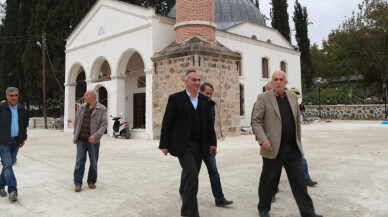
column 188, row 72
column 266, row 85
column 11, row 89
column 94, row 93
column 204, row 85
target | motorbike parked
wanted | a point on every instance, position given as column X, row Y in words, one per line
column 120, row 129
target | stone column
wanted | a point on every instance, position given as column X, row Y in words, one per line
column 69, row 106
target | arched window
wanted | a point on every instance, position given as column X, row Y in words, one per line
column 242, row 109
column 283, row 66
column 264, row 63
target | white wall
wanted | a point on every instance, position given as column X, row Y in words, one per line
column 252, row 52
column 262, row 33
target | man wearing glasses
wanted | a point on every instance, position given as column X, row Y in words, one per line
column 13, row 135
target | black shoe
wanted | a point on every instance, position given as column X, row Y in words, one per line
column 223, row 202
column 315, row 215
column 263, row 213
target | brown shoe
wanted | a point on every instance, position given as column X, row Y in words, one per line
column 92, row 186
column 311, row 183
column 77, row 188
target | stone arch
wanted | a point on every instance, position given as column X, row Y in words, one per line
column 124, row 58
column 100, row 70
column 74, row 71
column 132, row 65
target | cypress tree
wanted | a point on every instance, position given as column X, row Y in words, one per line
column 300, row 19
column 279, row 17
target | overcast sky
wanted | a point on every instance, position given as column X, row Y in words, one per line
column 326, row 15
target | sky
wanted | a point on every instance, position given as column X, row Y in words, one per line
column 326, row 15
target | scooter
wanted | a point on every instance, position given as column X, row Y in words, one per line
column 120, row 129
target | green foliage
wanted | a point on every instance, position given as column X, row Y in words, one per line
column 279, row 17
column 21, row 30
column 300, row 19
column 330, row 95
column 359, row 46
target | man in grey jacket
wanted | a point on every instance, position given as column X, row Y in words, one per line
column 89, row 126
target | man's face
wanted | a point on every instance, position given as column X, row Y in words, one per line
column 89, row 98
column 208, row 92
column 13, row 97
column 279, row 81
column 268, row 87
column 193, row 82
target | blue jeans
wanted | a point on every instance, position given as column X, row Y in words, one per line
column 8, row 157
column 93, row 150
column 215, row 181
column 305, row 168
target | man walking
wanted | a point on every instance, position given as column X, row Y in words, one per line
column 89, row 125
column 277, row 127
column 186, row 127
column 13, row 135
column 209, row 158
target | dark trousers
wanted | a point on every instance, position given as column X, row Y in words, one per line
column 210, row 161
column 290, row 157
column 191, row 164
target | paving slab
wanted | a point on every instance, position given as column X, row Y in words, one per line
column 349, row 159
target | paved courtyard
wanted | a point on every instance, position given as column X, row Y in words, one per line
column 349, row 159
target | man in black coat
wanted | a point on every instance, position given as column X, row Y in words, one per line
column 186, row 127
column 13, row 134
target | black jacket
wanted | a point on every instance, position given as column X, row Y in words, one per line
column 6, row 120
column 177, row 122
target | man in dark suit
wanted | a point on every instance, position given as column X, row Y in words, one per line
column 186, row 126
column 276, row 123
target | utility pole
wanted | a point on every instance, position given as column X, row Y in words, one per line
column 44, row 78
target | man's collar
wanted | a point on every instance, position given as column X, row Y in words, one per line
column 9, row 105
column 277, row 95
column 190, row 94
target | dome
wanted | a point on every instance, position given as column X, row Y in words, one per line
column 232, row 12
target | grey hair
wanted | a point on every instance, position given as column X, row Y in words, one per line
column 11, row 89
column 266, row 85
column 188, row 72
column 94, row 93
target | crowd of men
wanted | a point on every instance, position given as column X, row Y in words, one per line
column 187, row 133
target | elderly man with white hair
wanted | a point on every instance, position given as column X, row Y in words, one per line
column 89, row 126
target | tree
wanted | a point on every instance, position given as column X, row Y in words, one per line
column 300, row 19
column 279, row 17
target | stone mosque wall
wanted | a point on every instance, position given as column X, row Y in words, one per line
column 220, row 72
column 349, row 112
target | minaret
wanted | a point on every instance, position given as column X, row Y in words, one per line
column 196, row 48
column 195, row 18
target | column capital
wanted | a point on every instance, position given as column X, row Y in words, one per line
column 70, row 84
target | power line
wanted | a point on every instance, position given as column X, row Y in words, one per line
column 52, row 69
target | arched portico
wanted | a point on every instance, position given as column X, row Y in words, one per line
column 101, row 70
column 131, row 64
column 74, row 79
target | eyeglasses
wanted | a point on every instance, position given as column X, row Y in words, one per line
column 13, row 95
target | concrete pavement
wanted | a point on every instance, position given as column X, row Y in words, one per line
column 349, row 159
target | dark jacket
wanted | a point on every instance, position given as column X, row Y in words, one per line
column 212, row 110
column 177, row 122
column 6, row 120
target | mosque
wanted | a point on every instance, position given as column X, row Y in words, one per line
column 135, row 58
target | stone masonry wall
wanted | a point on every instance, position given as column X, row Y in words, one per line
column 221, row 72
column 360, row 112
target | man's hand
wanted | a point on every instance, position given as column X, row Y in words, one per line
column 213, row 149
column 92, row 139
column 74, row 141
column 165, row 151
column 21, row 145
column 266, row 145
